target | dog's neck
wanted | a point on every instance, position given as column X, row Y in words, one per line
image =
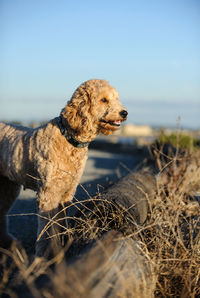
column 66, row 131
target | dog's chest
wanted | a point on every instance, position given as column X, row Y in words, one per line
column 69, row 159
column 76, row 158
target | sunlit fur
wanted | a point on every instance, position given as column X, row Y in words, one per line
column 43, row 160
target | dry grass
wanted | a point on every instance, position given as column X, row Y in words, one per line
column 173, row 236
column 170, row 237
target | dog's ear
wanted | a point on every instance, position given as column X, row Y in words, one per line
column 72, row 115
column 77, row 111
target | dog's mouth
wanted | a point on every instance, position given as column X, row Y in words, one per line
column 115, row 123
column 108, row 127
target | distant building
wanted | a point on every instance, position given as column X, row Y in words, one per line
column 136, row 130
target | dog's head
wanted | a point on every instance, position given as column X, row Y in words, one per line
column 94, row 107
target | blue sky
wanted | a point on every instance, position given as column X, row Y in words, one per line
column 149, row 50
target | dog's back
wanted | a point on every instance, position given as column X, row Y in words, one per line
column 11, row 148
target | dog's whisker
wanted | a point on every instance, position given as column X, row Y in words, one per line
column 35, row 178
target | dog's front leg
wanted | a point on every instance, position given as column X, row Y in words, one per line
column 49, row 235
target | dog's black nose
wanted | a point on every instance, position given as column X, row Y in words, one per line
column 123, row 113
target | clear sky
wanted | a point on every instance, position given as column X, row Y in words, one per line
column 149, row 50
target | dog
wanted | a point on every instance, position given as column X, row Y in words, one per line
column 51, row 158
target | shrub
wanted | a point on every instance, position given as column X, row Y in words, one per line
column 179, row 140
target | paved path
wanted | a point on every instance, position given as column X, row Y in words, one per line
column 102, row 169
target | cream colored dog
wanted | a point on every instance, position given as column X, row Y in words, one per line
column 50, row 159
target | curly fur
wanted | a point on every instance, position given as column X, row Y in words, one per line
column 43, row 160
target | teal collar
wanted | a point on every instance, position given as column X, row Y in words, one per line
column 65, row 132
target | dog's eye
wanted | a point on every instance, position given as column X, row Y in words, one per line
column 104, row 100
